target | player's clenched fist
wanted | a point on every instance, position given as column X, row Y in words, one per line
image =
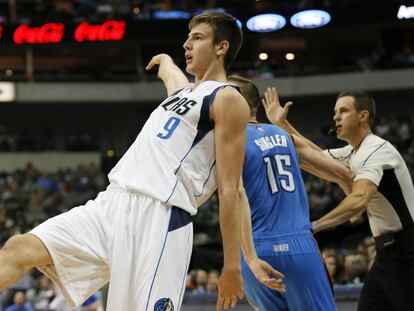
column 230, row 288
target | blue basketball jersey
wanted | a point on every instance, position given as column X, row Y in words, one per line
column 281, row 226
column 273, row 182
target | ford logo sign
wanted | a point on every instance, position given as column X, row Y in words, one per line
column 310, row 19
column 266, row 22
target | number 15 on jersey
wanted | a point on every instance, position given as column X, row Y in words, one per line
column 281, row 175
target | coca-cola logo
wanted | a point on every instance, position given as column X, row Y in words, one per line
column 109, row 31
column 47, row 33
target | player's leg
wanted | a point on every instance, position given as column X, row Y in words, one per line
column 168, row 283
column 150, row 255
column 260, row 296
column 20, row 254
column 77, row 242
column 307, row 282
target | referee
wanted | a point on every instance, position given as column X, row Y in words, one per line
column 382, row 186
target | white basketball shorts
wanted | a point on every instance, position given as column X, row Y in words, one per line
column 138, row 244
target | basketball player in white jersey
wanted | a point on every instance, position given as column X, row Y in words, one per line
column 382, row 187
column 137, row 234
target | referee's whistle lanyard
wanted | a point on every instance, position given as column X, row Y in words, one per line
column 354, row 150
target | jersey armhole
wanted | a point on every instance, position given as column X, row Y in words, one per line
column 293, row 140
column 208, row 101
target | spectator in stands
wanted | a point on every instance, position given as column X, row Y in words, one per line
column 190, row 284
column 331, row 266
column 371, row 251
column 201, row 278
column 42, row 294
column 22, row 285
column 19, row 303
column 27, row 196
column 51, row 206
column 6, row 140
column 212, row 281
column 358, row 268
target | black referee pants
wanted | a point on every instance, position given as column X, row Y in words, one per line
column 389, row 286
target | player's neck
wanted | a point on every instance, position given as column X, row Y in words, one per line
column 253, row 121
column 359, row 137
column 215, row 72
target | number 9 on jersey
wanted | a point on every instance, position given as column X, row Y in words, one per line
column 169, row 128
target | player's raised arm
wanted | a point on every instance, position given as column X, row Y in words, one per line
column 318, row 164
column 230, row 113
column 172, row 76
column 277, row 114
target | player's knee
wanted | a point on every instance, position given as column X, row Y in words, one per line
column 25, row 251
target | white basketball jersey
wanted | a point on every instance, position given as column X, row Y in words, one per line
column 173, row 157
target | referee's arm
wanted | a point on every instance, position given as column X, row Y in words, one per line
column 355, row 203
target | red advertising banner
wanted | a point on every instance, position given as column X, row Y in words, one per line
column 48, row 33
column 109, row 31
column 106, row 31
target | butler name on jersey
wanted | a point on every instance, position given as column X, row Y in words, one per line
column 173, row 157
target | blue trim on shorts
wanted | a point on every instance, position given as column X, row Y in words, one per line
column 178, row 219
column 183, row 287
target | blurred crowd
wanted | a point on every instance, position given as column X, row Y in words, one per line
column 45, row 140
column 27, row 198
column 35, row 292
column 375, row 58
column 349, row 266
column 64, row 10
column 201, row 282
column 29, row 11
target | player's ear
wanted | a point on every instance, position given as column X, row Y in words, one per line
column 222, row 47
column 364, row 115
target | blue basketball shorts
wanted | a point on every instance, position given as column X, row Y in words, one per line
column 297, row 256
